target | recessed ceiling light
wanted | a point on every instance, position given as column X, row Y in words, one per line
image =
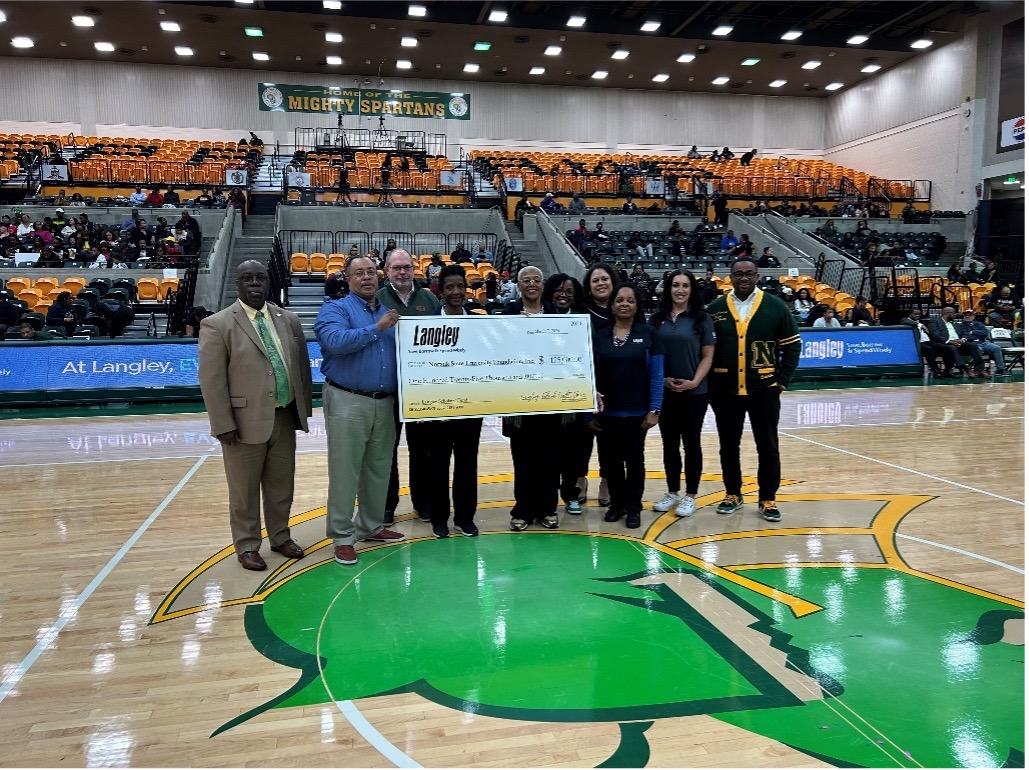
column 82, row 21
column 335, row 61
column 471, row 68
column 171, row 26
column 650, row 26
column 416, row 10
column 857, row 40
column 403, row 64
column 332, row 5
column 409, row 42
column 536, row 70
column 576, row 21
column 498, row 15
column 599, row 74
column 811, row 65
column 260, row 56
column 183, row 50
column 660, row 78
column 686, row 58
column 3, row 17
column 722, row 31
column 621, row 53
column 552, row 50
column 791, row 35
column 871, row 68
column 107, row 47
column 333, row 37
column 253, row 31
column 482, row 45
column 720, row 81
column 244, row 2
column 22, row 42
column 777, row 83
column 750, row 61
column 923, row 43
column 834, row 87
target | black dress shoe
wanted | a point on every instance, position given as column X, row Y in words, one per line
column 613, row 514
column 252, row 560
column 632, row 521
column 289, row 549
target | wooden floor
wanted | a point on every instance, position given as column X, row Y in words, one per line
column 123, row 638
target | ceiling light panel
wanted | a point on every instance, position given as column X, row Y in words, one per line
column 332, row 5
column 620, row 54
column 857, row 40
column 660, row 78
column 750, row 61
column 650, row 26
column 791, row 35
column 923, row 43
column 409, row 42
column 777, row 83
column 253, row 31
column 720, row 81
column 871, row 68
column 171, row 26
column 482, row 45
column 403, row 64
column 82, row 21
column 552, row 50
column 183, row 50
column 722, row 31
column 105, row 47
column 498, row 15
column 334, row 61
column 834, row 87
column 686, row 58
column 333, row 37
column 471, row 68
column 599, row 74
column 537, row 70
column 22, row 42
column 260, row 56
column 576, row 21
column 811, row 65
column 416, row 10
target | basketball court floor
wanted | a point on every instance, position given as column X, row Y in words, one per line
column 880, row 624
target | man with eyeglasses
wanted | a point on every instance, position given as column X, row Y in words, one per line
column 757, row 349
column 359, row 361
column 401, row 294
column 255, row 377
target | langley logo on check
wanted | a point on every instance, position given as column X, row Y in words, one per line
column 436, row 336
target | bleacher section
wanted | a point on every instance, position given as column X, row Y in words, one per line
column 364, row 169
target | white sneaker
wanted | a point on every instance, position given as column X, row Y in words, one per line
column 686, row 507
column 666, row 503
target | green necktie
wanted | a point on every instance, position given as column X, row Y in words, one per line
column 281, row 379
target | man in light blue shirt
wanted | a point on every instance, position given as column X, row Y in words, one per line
column 138, row 198
column 357, row 339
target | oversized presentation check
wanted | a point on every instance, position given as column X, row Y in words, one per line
column 489, row 365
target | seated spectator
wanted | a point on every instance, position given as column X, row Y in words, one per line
column 60, row 313
column 953, row 272
column 548, row 204
column 675, row 228
column 715, row 156
column 629, row 207
column 77, row 199
column 1002, row 307
column 970, row 275
column 255, row 140
column 28, row 332
column 204, row 199
column 171, row 197
column 577, row 204
column 694, row 153
column 767, row 258
column 193, row 321
column 976, row 333
column 729, row 241
column 802, row 303
column 25, row 227
column 138, row 198
column 943, row 331
column 860, row 314
column 155, row 198
column 129, row 223
column 989, row 273
column 643, row 246
column 727, row 154
column 508, row 288
column 220, row 201
column 827, row 320
column 492, row 285
column 747, row 157
column 482, row 255
column 58, row 222
column 460, row 254
column 118, row 314
column 523, row 205
column 745, row 248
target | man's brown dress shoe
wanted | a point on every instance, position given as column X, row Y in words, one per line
column 252, row 560
column 289, row 549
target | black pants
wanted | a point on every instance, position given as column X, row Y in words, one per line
column 620, row 443
column 930, row 350
column 459, row 439
column 730, row 411
column 536, row 456
column 971, row 350
column 576, row 447
column 418, row 469
column 682, row 417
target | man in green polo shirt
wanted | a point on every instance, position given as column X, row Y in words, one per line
column 757, row 349
column 401, row 294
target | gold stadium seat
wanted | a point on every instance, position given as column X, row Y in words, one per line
column 148, row 289
column 317, row 263
column 298, row 262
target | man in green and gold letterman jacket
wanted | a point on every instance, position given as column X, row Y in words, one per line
column 757, row 348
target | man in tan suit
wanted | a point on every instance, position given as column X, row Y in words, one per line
column 255, row 376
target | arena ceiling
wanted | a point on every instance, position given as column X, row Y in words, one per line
column 365, row 40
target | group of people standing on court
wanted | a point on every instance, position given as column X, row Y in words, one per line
column 738, row 354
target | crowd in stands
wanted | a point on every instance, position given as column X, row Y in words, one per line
column 76, row 240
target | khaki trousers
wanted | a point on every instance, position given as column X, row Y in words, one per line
column 361, row 433
column 256, row 471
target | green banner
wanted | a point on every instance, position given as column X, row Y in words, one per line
column 279, row 97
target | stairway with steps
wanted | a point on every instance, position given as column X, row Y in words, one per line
column 305, row 299
column 525, row 250
column 254, row 243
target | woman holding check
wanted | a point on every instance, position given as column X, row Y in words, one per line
column 629, row 361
